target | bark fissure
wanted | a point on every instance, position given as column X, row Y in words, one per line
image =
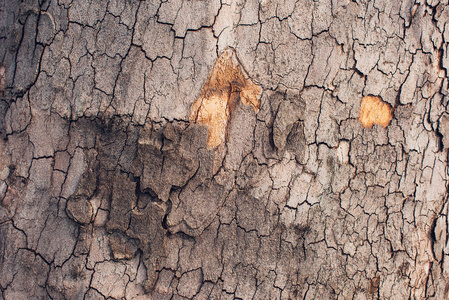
column 224, row 149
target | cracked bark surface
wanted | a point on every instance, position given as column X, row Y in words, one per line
column 326, row 180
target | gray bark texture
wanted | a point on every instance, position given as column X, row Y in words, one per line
column 224, row 149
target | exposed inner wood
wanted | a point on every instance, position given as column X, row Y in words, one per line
column 227, row 83
column 374, row 111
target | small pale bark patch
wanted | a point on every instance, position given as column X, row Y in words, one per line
column 227, row 84
column 375, row 111
column 2, row 79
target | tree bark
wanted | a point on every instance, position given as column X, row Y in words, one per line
column 224, row 149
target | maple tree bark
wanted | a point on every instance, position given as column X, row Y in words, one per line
column 233, row 149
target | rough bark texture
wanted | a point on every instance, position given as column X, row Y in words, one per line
column 217, row 150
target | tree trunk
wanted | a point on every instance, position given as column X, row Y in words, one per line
column 224, row 149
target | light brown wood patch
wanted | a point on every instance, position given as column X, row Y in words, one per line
column 227, row 84
column 375, row 111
